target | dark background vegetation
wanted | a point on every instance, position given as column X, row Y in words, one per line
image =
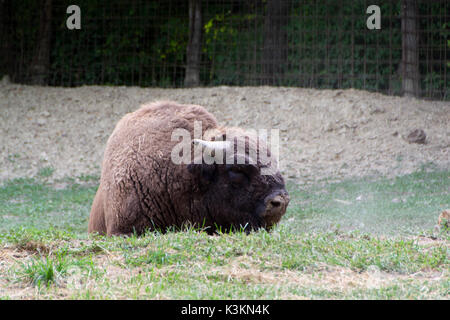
column 305, row 43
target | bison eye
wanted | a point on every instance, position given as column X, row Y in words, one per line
column 237, row 177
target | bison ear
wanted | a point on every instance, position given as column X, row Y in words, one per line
column 206, row 172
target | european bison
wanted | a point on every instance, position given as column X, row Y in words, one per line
column 142, row 187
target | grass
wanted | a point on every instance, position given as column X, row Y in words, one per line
column 347, row 240
column 46, row 172
column 46, row 270
column 33, row 203
column 407, row 205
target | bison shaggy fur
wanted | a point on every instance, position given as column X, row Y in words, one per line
column 141, row 188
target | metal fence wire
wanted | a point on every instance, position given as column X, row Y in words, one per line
column 174, row 43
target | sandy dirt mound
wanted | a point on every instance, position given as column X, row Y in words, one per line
column 323, row 133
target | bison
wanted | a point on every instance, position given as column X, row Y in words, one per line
column 142, row 188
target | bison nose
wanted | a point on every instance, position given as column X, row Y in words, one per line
column 276, row 202
column 275, row 208
column 276, row 205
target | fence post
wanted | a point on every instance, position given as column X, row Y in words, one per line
column 193, row 50
column 275, row 41
column 5, row 36
column 41, row 58
column 410, row 49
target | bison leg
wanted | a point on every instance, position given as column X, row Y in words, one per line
column 97, row 216
column 125, row 217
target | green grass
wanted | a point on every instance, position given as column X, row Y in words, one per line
column 407, row 205
column 46, row 270
column 32, row 203
column 45, row 172
column 345, row 240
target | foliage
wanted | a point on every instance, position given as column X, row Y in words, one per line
column 144, row 43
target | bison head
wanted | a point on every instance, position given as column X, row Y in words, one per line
column 239, row 191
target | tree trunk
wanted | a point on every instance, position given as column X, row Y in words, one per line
column 192, row 77
column 40, row 64
column 5, row 42
column 410, row 49
column 275, row 41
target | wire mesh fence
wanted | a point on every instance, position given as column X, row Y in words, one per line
column 305, row 43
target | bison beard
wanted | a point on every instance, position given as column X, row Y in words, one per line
column 141, row 188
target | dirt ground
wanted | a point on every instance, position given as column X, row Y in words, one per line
column 324, row 133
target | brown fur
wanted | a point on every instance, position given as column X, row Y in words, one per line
column 140, row 187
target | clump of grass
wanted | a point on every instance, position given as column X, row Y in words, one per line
column 46, row 172
column 44, row 271
column 88, row 178
column 13, row 157
column 34, row 247
column 156, row 258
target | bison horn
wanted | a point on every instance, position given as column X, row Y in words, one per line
column 213, row 145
